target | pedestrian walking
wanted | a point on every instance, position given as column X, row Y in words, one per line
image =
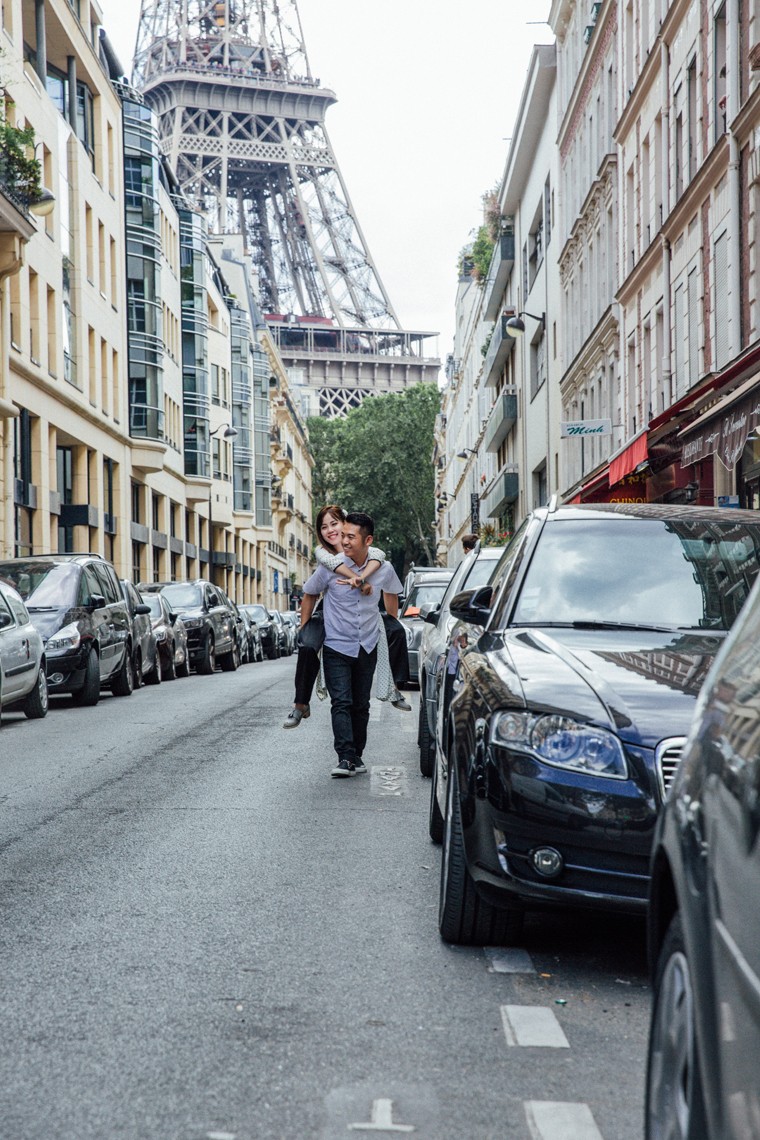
column 469, row 542
column 352, row 631
column 329, row 554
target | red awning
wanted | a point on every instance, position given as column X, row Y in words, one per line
column 628, row 460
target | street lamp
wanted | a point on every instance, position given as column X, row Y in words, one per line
column 516, row 326
column 465, row 452
column 44, row 204
column 230, row 432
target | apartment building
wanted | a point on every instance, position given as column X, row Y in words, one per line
column 136, row 390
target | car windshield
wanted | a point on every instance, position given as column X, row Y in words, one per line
column 691, row 574
column 257, row 613
column 429, row 593
column 155, row 606
column 43, row 585
column 183, row 596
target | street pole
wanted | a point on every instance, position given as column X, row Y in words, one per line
column 211, row 530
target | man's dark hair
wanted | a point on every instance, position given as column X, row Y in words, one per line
column 364, row 522
column 469, row 541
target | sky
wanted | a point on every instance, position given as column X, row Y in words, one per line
column 428, row 92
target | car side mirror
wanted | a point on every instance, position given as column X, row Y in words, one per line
column 473, row 606
column 141, row 609
column 430, row 613
column 173, row 617
column 5, row 620
column 96, row 602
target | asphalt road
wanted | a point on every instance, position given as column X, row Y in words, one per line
column 204, row 936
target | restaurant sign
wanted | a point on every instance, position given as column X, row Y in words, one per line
column 584, row 428
column 724, row 436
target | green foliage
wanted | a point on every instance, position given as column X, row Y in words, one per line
column 482, row 251
column 379, row 459
column 20, row 174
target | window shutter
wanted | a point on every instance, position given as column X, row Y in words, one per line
column 720, row 257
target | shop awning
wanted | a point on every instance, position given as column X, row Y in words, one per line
column 723, row 430
column 629, row 459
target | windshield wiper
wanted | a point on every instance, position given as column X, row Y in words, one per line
column 591, row 624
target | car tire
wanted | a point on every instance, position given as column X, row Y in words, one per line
column 169, row 668
column 207, row 663
column 124, row 681
column 230, row 661
column 183, row 669
column 37, row 702
column 675, row 1105
column 137, row 671
column 153, row 676
column 463, row 917
column 435, row 819
column 89, row 694
column 425, row 738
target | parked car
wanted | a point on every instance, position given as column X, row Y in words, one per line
column 255, row 646
column 286, row 636
column 292, row 619
column 23, row 683
column 171, row 639
column 145, row 664
column 269, row 632
column 209, row 622
column 425, row 587
column 704, row 913
column 474, row 570
column 76, row 604
column 573, row 699
column 241, row 639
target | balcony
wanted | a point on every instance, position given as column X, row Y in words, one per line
column 502, row 261
column 504, row 492
column 498, row 350
column 501, row 420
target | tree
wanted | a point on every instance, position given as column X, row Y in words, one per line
column 379, row 459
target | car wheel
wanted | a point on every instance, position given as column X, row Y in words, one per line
column 207, row 663
column 37, row 703
column 153, row 676
column 89, row 694
column 425, row 739
column 125, row 678
column 230, row 661
column 137, row 672
column 435, row 819
column 169, row 668
column 675, row 1107
column 183, row 669
column 463, row 917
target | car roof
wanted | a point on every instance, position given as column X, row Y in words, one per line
column 667, row 512
column 77, row 558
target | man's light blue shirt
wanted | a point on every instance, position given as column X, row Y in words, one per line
column 351, row 617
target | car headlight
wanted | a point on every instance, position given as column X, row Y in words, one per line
column 67, row 638
column 193, row 623
column 562, row 742
column 161, row 635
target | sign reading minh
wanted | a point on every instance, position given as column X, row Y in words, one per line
column 585, row 427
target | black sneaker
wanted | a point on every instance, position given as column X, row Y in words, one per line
column 360, row 767
column 344, row 768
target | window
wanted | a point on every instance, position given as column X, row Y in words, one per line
column 720, row 256
column 719, row 73
column 136, row 503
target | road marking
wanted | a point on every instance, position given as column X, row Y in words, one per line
column 508, row 961
column 532, row 1025
column 382, row 1119
column 387, row 780
column 560, row 1120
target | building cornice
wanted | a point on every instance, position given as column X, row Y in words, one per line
column 600, row 191
column 593, row 62
column 598, row 346
column 636, row 99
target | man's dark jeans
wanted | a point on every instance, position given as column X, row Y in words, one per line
column 349, row 683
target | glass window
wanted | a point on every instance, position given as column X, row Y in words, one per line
column 183, row 596
column 43, row 584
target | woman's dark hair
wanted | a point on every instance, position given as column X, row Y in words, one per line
column 330, row 509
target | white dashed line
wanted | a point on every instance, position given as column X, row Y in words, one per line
column 509, row 961
column 528, row 1025
column 560, row 1120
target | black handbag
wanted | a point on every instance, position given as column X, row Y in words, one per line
column 312, row 635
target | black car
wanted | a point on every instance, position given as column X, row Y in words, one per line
column 76, row 603
column 704, row 913
column 270, row 633
column 572, row 702
column 145, row 663
column 208, row 619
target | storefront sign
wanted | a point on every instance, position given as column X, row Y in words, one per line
column 585, row 427
column 724, row 435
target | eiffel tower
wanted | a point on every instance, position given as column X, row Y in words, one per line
column 242, row 121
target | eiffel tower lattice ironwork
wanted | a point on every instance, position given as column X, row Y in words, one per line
column 242, row 122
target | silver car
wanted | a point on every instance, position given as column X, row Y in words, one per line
column 424, row 589
column 23, row 683
column 474, row 570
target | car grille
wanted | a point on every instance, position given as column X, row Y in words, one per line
column 667, row 757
